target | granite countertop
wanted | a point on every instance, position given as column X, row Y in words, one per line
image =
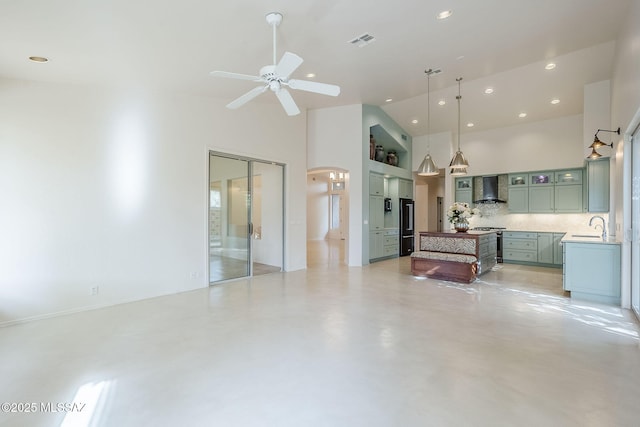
column 470, row 232
column 590, row 238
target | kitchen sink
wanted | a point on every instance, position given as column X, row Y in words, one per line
column 593, row 236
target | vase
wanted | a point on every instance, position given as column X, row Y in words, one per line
column 372, row 147
column 379, row 153
column 392, row 158
column 461, row 225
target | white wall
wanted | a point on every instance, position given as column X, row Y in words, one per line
column 331, row 144
column 548, row 144
column 108, row 188
column 625, row 103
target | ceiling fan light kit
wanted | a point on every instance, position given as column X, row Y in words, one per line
column 276, row 77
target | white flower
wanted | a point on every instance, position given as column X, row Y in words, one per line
column 459, row 211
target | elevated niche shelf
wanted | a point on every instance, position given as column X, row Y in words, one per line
column 389, row 143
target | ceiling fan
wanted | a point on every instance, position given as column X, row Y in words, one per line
column 276, row 77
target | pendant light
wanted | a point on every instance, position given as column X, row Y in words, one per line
column 458, row 164
column 428, row 167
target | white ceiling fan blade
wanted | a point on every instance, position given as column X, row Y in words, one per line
column 235, row 76
column 239, row 102
column 287, row 102
column 322, row 88
column 287, row 65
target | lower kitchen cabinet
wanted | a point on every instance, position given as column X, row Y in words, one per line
column 391, row 244
column 557, row 248
column 376, row 244
column 487, row 251
column 545, row 248
column 383, row 244
column 519, row 246
column 526, row 247
column 592, row 271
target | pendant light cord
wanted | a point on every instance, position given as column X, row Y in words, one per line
column 459, row 97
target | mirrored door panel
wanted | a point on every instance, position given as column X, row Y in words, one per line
column 229, row 215
column 246, row 217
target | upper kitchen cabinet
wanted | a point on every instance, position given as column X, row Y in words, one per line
column 598, row 185
column 518, row 192
column 464, row 190
column 568, row 191
column 400, row 188
column 559, row 191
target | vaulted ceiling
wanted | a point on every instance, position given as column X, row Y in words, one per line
column 499, row 44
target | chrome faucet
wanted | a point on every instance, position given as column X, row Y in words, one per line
column 604, row 225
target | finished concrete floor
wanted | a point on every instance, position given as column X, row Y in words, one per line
column 334, row 346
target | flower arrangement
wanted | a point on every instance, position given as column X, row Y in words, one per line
column 460, row 212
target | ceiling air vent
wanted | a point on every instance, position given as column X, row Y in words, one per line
column 362, row 40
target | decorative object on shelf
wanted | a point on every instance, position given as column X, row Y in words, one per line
column 597, row 144
column 372, row 147
column 392, row 158
column 459, row 164
column 428, row 166
column 459, row 214
column 379, row 153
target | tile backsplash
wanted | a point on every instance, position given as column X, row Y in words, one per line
column 498, row 216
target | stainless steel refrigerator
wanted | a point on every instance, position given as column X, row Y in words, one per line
column 406, row 227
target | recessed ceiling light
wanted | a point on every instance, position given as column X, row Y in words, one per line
column 555, row 101
column 445, row 14
column 40, row 59
column 522, row 115
column 470, row 125
column 311, row 75
column 442, row 102
column 488, row 90
column 460, row 58
column 550, row 66
column 388, row 100
column 414, row 121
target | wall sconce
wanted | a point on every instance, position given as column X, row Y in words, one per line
column 597, row 143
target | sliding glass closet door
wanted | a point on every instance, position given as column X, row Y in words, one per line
column 246, row 214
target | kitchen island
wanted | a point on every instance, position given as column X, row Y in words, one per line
column 591, row 267
column 454, row 256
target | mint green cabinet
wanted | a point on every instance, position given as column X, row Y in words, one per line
column 568, row 191
column 541, row 199
column 400, row 188
column 376, row 244
column 520, row 247
column 598, row 185
column 518, row 192
column 557, row 248
column 376, row 213
column 592, row 271
column 545, row 248
column 376, row 184
column 464, row 190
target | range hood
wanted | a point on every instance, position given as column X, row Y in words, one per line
column 489, row 190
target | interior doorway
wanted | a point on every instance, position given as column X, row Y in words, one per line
column 246, row 217
column 327, row 216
